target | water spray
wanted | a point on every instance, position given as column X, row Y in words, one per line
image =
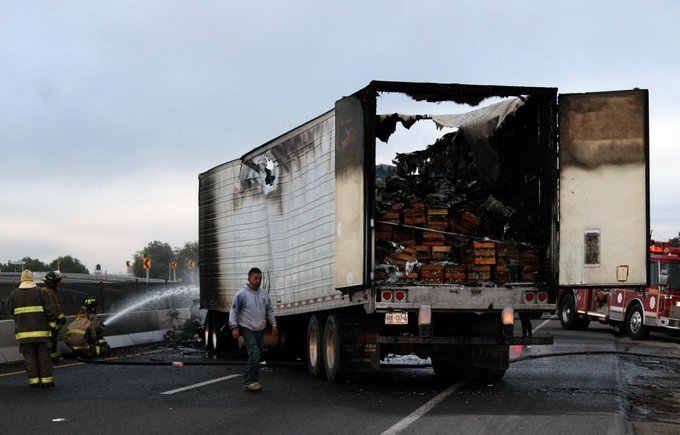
column 158, row 296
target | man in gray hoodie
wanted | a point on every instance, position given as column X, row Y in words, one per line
column 250, row 311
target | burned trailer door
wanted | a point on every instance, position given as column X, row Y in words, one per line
column 604, row 189
column 352, row 194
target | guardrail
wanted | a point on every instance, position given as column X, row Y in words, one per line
column 134, row 328
column 38, row 277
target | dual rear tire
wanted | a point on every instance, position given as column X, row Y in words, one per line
column 323, row 347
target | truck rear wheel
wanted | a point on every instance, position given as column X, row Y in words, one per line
column 314, row 346
column 567, row 312
column 635, row 322
column 209, row 335
column 569, row 318
column 331, row 347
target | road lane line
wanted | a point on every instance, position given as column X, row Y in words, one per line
column 415, row 415
column 545, row 322
column 201, row 384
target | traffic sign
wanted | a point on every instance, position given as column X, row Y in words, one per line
column 191, row 264
column 146, row 263
column 173, row 265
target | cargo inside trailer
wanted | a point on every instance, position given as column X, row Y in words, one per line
column 472, row 202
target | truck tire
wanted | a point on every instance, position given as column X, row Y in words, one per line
column 567, row 312
column 635, row 323
column 314, row 347
column 331, row 348
column 209, row 336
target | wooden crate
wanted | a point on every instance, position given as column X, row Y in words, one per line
column 393, row 217
column 481, row 253
column 432, row 273
column 437, row 214
column 424, row 252
column 439, row 226
column 441, row 252
column 385, row 235
column 430, row 235
column 433, row 243
column 479, row 273
column 455, row 274
column 415, row 220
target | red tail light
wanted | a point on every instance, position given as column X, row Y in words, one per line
column 400, row 296
column 386, row 296
column 542, row 297
column 529, row 296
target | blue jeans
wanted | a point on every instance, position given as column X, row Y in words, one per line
column 254, row 341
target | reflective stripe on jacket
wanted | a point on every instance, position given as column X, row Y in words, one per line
column 80, row 333
column 33, row 314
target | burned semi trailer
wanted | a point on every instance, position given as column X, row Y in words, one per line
column 431, row 247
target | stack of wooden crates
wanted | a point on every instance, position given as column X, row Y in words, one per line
column 447, row 248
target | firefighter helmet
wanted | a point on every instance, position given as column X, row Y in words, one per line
column 52, row 277
column 90, row 305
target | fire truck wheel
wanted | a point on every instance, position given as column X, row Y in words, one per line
column 567, row 312
column 314, row 342
column 582, row 322
column 621, row 326
column 635, row 321
column 331, row 348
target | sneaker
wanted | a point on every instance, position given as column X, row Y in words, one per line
column 254, row 386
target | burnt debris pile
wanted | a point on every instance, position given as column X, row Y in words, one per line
column 466, row 210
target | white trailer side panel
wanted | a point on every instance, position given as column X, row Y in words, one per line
column 604, row 218
column 275, row 210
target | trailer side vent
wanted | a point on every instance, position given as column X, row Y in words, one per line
column 592, row 248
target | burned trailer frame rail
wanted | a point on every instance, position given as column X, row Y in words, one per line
column 430, row 341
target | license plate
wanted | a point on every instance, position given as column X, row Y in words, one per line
column 396, row 318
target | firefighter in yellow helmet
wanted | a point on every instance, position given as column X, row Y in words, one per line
column 52, row 280
column 34, row 319
column 83, row 334
column 80, row 335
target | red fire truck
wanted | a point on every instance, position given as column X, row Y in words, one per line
column 635, row 311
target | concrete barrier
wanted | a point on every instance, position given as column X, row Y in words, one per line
column 141, row 327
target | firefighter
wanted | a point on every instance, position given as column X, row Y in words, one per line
column 103, row 347
column 80, row 336
column 52, row 280
column 34, row 319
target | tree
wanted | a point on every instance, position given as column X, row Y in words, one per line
column 34, row 264
column 68, row 264
column 675, row 241
column 184, row 255
column 160, row 254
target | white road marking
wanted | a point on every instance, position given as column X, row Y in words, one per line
column 415, row 415
column 200, row 384
column 545, row 322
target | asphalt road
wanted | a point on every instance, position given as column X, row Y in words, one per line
column 571, row 392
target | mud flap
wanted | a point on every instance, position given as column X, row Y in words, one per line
column 360, row 351
column 491, row 356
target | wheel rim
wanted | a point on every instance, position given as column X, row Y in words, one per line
column 635, row 322
column 313, row 346
column 207, row 331
column 330, row 347
column 566, row 313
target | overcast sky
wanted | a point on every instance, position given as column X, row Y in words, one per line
column 109, row 110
